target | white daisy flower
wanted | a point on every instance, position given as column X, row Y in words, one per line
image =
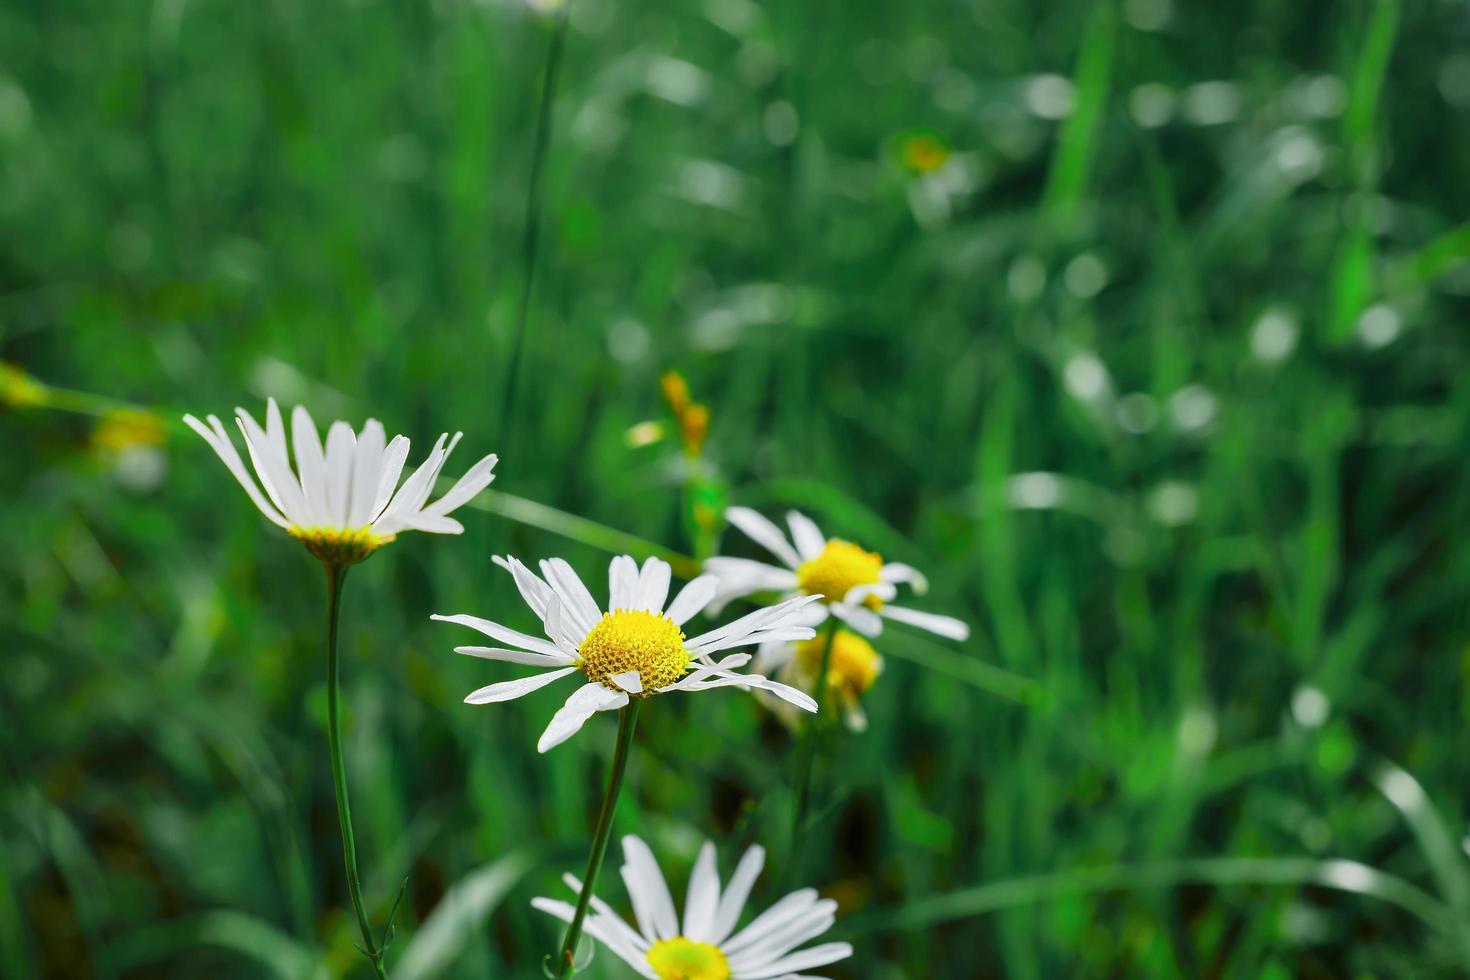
column 636, row 648
column 857, row 585
column 340, row 502
column 852, row 668
column 705, row 945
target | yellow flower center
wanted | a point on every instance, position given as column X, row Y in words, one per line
column 631, row 639
column 685, row 959
column 839, row 567
column 853, row 667
column 339, row 545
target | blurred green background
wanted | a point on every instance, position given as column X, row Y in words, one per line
column 1139, row 326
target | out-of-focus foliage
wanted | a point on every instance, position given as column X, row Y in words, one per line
column 1139, row 326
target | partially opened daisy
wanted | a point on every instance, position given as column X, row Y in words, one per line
column 339, row 501
column 852, row 668
column 704, row 945
column 857, row 585
column 634, row 649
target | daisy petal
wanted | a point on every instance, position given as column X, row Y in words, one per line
column 787, row 936
column 585, row 702
column 366, row 464
column 732, row 900
column 267, row 449
column 629, row 680
column 816, row 956
column 341, row 447
column 502, row 633
column 622, row 583
column 652, row 904
column 692, row 599
column 389, row 470
column 703, row 897
column 578, row 601
column 795, row 904
column 510, row 690
column 810, row 541
column 536, row 592
column 476, row 478
column 604, row 928
column 897, row 572
column 653, row 585
column 945, row 626
column 311, row 466
column 860, row 618
column 764, row 533
column 515, row 656
column 225, row 450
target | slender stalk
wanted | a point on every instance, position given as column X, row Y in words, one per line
column 336, row 575
column 530, row 245
column 811, row 735
column 627, row 721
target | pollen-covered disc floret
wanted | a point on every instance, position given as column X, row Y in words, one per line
column 339, row 546
column 852, row 667
column 687, row 959
column 633, row 639
column 840, row 567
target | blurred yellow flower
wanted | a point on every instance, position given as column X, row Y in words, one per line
column 691, row 416
column 127, row 428
column 19, row 389
column 922, row 151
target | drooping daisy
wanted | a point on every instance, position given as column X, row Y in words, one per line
column 704, row 944
column 857, row 585
column 340, row 502
column 852, row 667
column 636, row 648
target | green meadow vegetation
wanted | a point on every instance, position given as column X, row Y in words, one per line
column 1138, row 325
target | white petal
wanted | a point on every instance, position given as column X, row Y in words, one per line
column 810, row 541
column 858, row 594
column 604, row 928
column 568, row 584
column 703, row 897
column 273, row 468
column 786, row 936
column 785, row 692
column 766, row 618
column 422, row 522
column 706, row 670
column 476, row 478
column 653, row 585
column 652, row 904
column 410, row 497
column 629, row 680
column 310, row 465
column 897, row 572
column 795, row 904
column 764, row 533
column 783, row 635
column 219, row 441
column 692, row 599
column 945, row 626
column 585, row 702
column 341, row 445
column 389, row 471
column 816, row 956
column 536, row 592
column 628, row 933
column 622, row 583
column 516, row 656
column 860, row 618
column 502, row 633
column 510, row 690
column 732, row 901
column 366, row 464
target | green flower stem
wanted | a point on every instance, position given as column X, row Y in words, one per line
column 627, row 721
column 336, row 575
column 812, row 733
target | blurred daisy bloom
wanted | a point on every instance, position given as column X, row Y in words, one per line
column 340, row 502
column 856, row 585
column 852, row 668
column 705, row 945
column 636, row 648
